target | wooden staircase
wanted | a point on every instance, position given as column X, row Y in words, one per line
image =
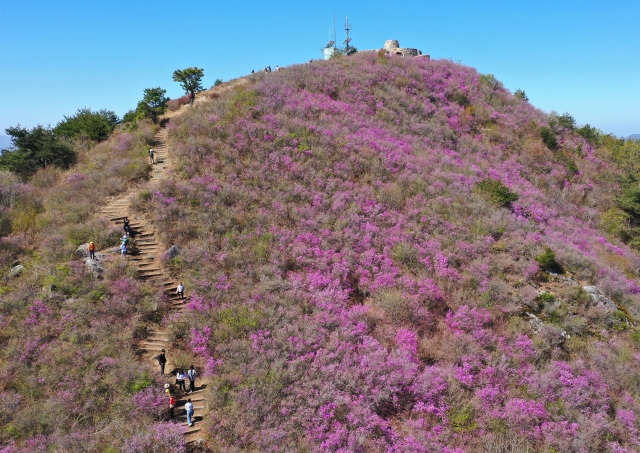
column 145, row 254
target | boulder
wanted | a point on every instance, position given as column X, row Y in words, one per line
column 172, row 252
column 94, row 266
column 598, row 299
column 83, row 250
column 16, row 270
column 535, row 322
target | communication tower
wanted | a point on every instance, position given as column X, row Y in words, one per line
column 347, row 29
column 330, row 49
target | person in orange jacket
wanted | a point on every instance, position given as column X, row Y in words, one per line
column 92, row 250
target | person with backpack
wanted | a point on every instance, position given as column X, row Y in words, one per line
column 162, row 360
column 92, row 250
column 151, row 155
column 191, row 374
column 123, row 249
column 189, row 408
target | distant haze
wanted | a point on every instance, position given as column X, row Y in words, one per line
column 634, row 137
column 5, row 141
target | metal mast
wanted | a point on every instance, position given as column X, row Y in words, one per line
column 347, row 29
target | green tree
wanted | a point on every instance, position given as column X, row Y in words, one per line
column 590, row 134
column 153, row 104
column 35, row 149
column 567, row 121
column 130, row 116
column 87, row 124
column 190, row 79
column 520, row 94
column 549, row 138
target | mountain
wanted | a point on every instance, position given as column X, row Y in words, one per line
column 634, row 137
column 380, row 254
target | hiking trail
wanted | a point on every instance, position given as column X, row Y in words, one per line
column 146, row 257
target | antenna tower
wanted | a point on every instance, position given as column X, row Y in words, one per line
column 347, row 29
column 332, row 34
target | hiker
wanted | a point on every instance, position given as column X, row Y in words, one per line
column 128, row 231
column 191, row 374
column 92, row 250
column 180, row 290
column 162, row 360
column 151, row 155
column 168, row 390
column 125, row 240
column 123, row 249
column 189, row 408
column 278, row 68
column 172, row 405
column 180, row 378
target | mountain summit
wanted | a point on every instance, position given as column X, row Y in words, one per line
column 380, row 253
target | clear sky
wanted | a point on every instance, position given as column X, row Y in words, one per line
column 579, row 57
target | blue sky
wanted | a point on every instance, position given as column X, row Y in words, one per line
column 58, row 56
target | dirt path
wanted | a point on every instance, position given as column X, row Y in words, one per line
column 146, row 256
column 146, row 253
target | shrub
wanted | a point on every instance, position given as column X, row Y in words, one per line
column 549, row 138
column 175, row 104
column 496, row 192
column 547, row 261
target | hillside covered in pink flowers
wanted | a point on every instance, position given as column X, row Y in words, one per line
column 389, row 254
column 381, row 254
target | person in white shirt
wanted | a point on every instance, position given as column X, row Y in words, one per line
column 189, row 408
column 180, row 290
column 191, row 374
column 180, row 378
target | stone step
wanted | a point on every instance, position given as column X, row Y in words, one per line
column 153, row 269
column 153, row 344
column 154, row 336
column 152, row 348
column 194, row 429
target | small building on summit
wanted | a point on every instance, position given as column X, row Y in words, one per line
column 392, row 46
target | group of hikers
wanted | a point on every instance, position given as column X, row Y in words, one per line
column 181, row 378
column 267, row 69
column 124, row 241
column 181, row 375
column 128, row 231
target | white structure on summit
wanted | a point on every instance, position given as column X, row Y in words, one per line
column 392, row 46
